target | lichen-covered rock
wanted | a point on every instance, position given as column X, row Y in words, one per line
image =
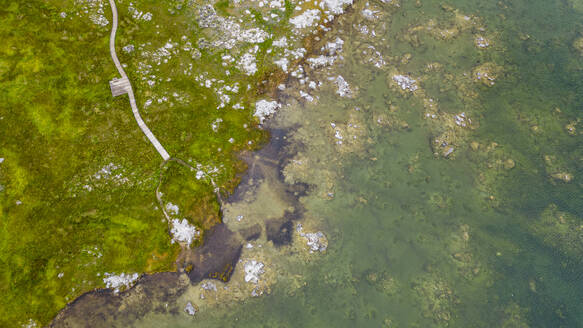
column 190, row 309
column 486, row 73
column 437, row 298
column 557, row 169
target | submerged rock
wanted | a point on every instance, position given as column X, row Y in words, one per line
column 405, row 82
column 279, row 233
column 557, row 168
column 578, row 45
column 487, row 73
column 383, row 282
column 437, row 299
column 481, row 42
column 343, row 87
column 316, row 241
column 217, row 257
column 190, row 309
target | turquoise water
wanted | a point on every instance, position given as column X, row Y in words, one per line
column 490, row 236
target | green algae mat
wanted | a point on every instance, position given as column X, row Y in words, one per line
column 432, row 162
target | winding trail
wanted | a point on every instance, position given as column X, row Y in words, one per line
column 123, row 85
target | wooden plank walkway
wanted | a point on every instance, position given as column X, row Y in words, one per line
column 119, row 86
column 123, row 86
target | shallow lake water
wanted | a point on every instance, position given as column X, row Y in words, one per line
column 454, row 201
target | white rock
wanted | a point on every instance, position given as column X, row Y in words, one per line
column 296, row 53
column 336, row 6
column 334, row 47
column 253, row 270
column 190, row 309
column 129, row 48
column 264, row 109
column 343, row 87
column 99, row 19
column 147, row 17
column 282, row 63
column 306, row 95
column 199, row 174
column 316, row 241
column 369, row 14
column 306, row 19
column 117, row 281
column 482, row 42
column 405, row 82
column 183, row 232
column 173, row 209
column 321, row 61
column 276, row 4
column 254, row 35
column 281, row 43
column 210, row 286
column 248, row 64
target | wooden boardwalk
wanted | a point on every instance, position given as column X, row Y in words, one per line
column 119, row 86
column 122, row 86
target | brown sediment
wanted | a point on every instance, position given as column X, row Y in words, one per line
column 251, row 233
column 279, row 231
column 104, row 308
column 216, row 258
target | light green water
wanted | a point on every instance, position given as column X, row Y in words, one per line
column 417, row 240
column 489, row 236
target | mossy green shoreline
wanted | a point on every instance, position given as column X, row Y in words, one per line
column 77, row 177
